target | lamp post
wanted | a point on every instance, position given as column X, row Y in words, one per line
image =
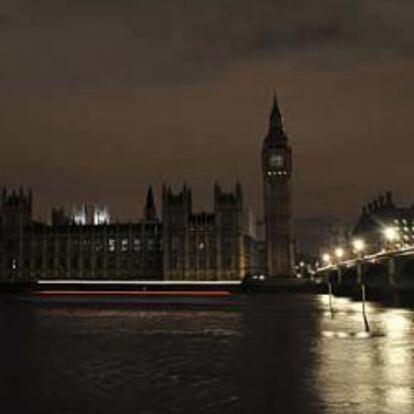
column 391, row 236
column 326, row 259
column 359, row 248
column 339, row 254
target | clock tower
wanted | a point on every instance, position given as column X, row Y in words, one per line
column 277, row 171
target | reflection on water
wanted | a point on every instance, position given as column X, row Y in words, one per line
column 372, row 374
column 261, row 354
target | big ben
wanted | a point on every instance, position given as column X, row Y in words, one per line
column 277, row 172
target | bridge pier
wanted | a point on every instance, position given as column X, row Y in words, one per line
column 391, row 271
column 387, row 276
column 364, row 314
column 359, row 269
column 339, row 274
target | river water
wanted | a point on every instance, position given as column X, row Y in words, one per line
column 255, row 354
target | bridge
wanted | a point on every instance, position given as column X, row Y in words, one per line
column 383, row 273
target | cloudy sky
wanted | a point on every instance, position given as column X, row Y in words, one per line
column 99, row 98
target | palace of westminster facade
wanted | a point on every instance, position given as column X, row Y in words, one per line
column 178, row 244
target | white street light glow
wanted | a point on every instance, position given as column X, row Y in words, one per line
column 391, row 234
column 326, row 258
column 339, row 252
column 359, row 245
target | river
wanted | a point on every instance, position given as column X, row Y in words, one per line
column 250, row 354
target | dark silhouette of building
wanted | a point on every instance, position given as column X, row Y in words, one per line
column 203, row 246
column 72, row 249
column 16, row 216
column 277, row 171
column 185, row 246
column 380, row 214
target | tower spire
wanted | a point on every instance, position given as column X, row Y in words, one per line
column 150, row 211
column 275, row 115
column 275, row 124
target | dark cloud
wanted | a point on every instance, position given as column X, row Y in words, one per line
column 106, row 96
column 93, row 41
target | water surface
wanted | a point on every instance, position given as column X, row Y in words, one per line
column 256, row 354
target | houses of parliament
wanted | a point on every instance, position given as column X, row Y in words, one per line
column 174, row 243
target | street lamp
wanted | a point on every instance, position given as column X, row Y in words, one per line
column 359, row 246
column 391, row 237
column 326, row 258
column 339, row 253
column 391, row 234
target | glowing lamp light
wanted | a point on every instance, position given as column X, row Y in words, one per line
column 391, row 234
column 339, row 253
column 359, row 245
column 326, row 258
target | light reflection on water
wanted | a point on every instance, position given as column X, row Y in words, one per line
column 372, row 370
column 281, row 353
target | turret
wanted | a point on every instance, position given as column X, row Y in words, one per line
column 389, row 199
column 59, row 217
column 16, row 209
column 177, row 203
column 150, row 212
column 176, row 213
column 232, row 199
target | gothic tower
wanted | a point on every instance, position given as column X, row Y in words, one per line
column 16, row 211
column 176, row 211
column 277, row 171
column 228, row 212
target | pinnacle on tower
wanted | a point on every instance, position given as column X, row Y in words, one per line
column 150, row 211
column 275, row 115
column 275, row 124
column 239, row 191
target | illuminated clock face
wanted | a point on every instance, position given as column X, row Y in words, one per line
column 276, row 161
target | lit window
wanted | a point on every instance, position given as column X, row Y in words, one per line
column 137, row 244
column 79, row 216
column 100, row 216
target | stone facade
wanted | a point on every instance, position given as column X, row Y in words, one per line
column 184, row 246
column 203, row 246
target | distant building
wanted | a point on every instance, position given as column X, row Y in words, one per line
column 184, row 246
column 380, row 214
column 85, row 246
column 276, row 176
column 203, row 246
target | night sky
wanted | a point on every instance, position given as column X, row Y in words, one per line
column 100, row 98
